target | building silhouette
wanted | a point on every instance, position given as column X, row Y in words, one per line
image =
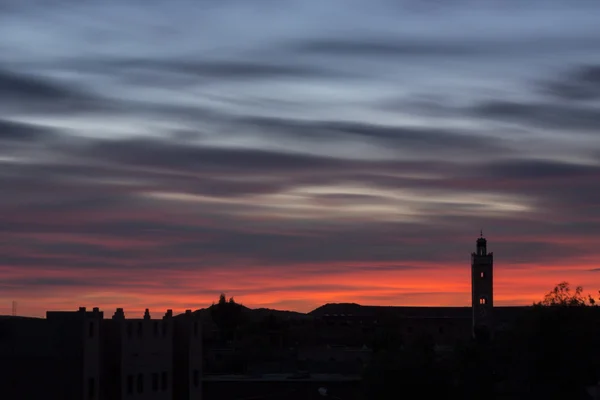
column 79, row 355
column 482, row 289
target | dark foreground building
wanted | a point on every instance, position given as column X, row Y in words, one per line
column 82, row 356
column 284, row 386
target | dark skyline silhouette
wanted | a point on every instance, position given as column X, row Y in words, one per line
column 156, row 155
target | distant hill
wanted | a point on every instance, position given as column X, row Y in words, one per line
column 257, row 313
column 357, row 310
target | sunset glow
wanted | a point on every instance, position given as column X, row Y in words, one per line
column 156, row 155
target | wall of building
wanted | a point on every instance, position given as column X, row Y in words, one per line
column 342, row 359
column 27, row 358
column 58, row 355
column 76, row 338
column 139, row 357
column 82, row 356
column 187, row 357
column 288, row 389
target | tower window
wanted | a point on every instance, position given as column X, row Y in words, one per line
column 482, row 275
column 482, row 300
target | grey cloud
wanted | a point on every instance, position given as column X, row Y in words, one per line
column 22, row 132
column 15, row 85
column 545, row 115
column 231, row 69
column 421, row 139
column 35, row 94
column 152, row 165
column 71, row 197
column 185, row 72
column 528, row 169
column 384, row 46
column 581, row 84
column 155, row 153
column 388, row 46
column 351, row 198
column 23, row 93
column 162, row 156
column 163, row 165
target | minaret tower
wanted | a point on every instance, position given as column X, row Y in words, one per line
column 482, row 289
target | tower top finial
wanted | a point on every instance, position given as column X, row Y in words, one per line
column 481, row 233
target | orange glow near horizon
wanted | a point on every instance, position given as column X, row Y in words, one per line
column 303, row 291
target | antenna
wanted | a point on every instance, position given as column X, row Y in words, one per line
column 14, row 308
column 481, row 233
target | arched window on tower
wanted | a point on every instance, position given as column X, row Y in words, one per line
column 482, row 300
column 481, row 246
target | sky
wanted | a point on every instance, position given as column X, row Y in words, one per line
column 292, row 153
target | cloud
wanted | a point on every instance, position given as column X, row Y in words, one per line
column 555, row 110
column 156, row 153
column 226, row 69
column 29, row 87
column 419, row 139
column 545, row 115
column 583, row 83
column 531, row 170
column 382, row 47
column 25, row 93
column 111, row 173
column 22, row 132
column 399, row 46
column 103, row 217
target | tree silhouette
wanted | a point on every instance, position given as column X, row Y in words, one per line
column 227, row 315
column 563, row 296
column 561, row 345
